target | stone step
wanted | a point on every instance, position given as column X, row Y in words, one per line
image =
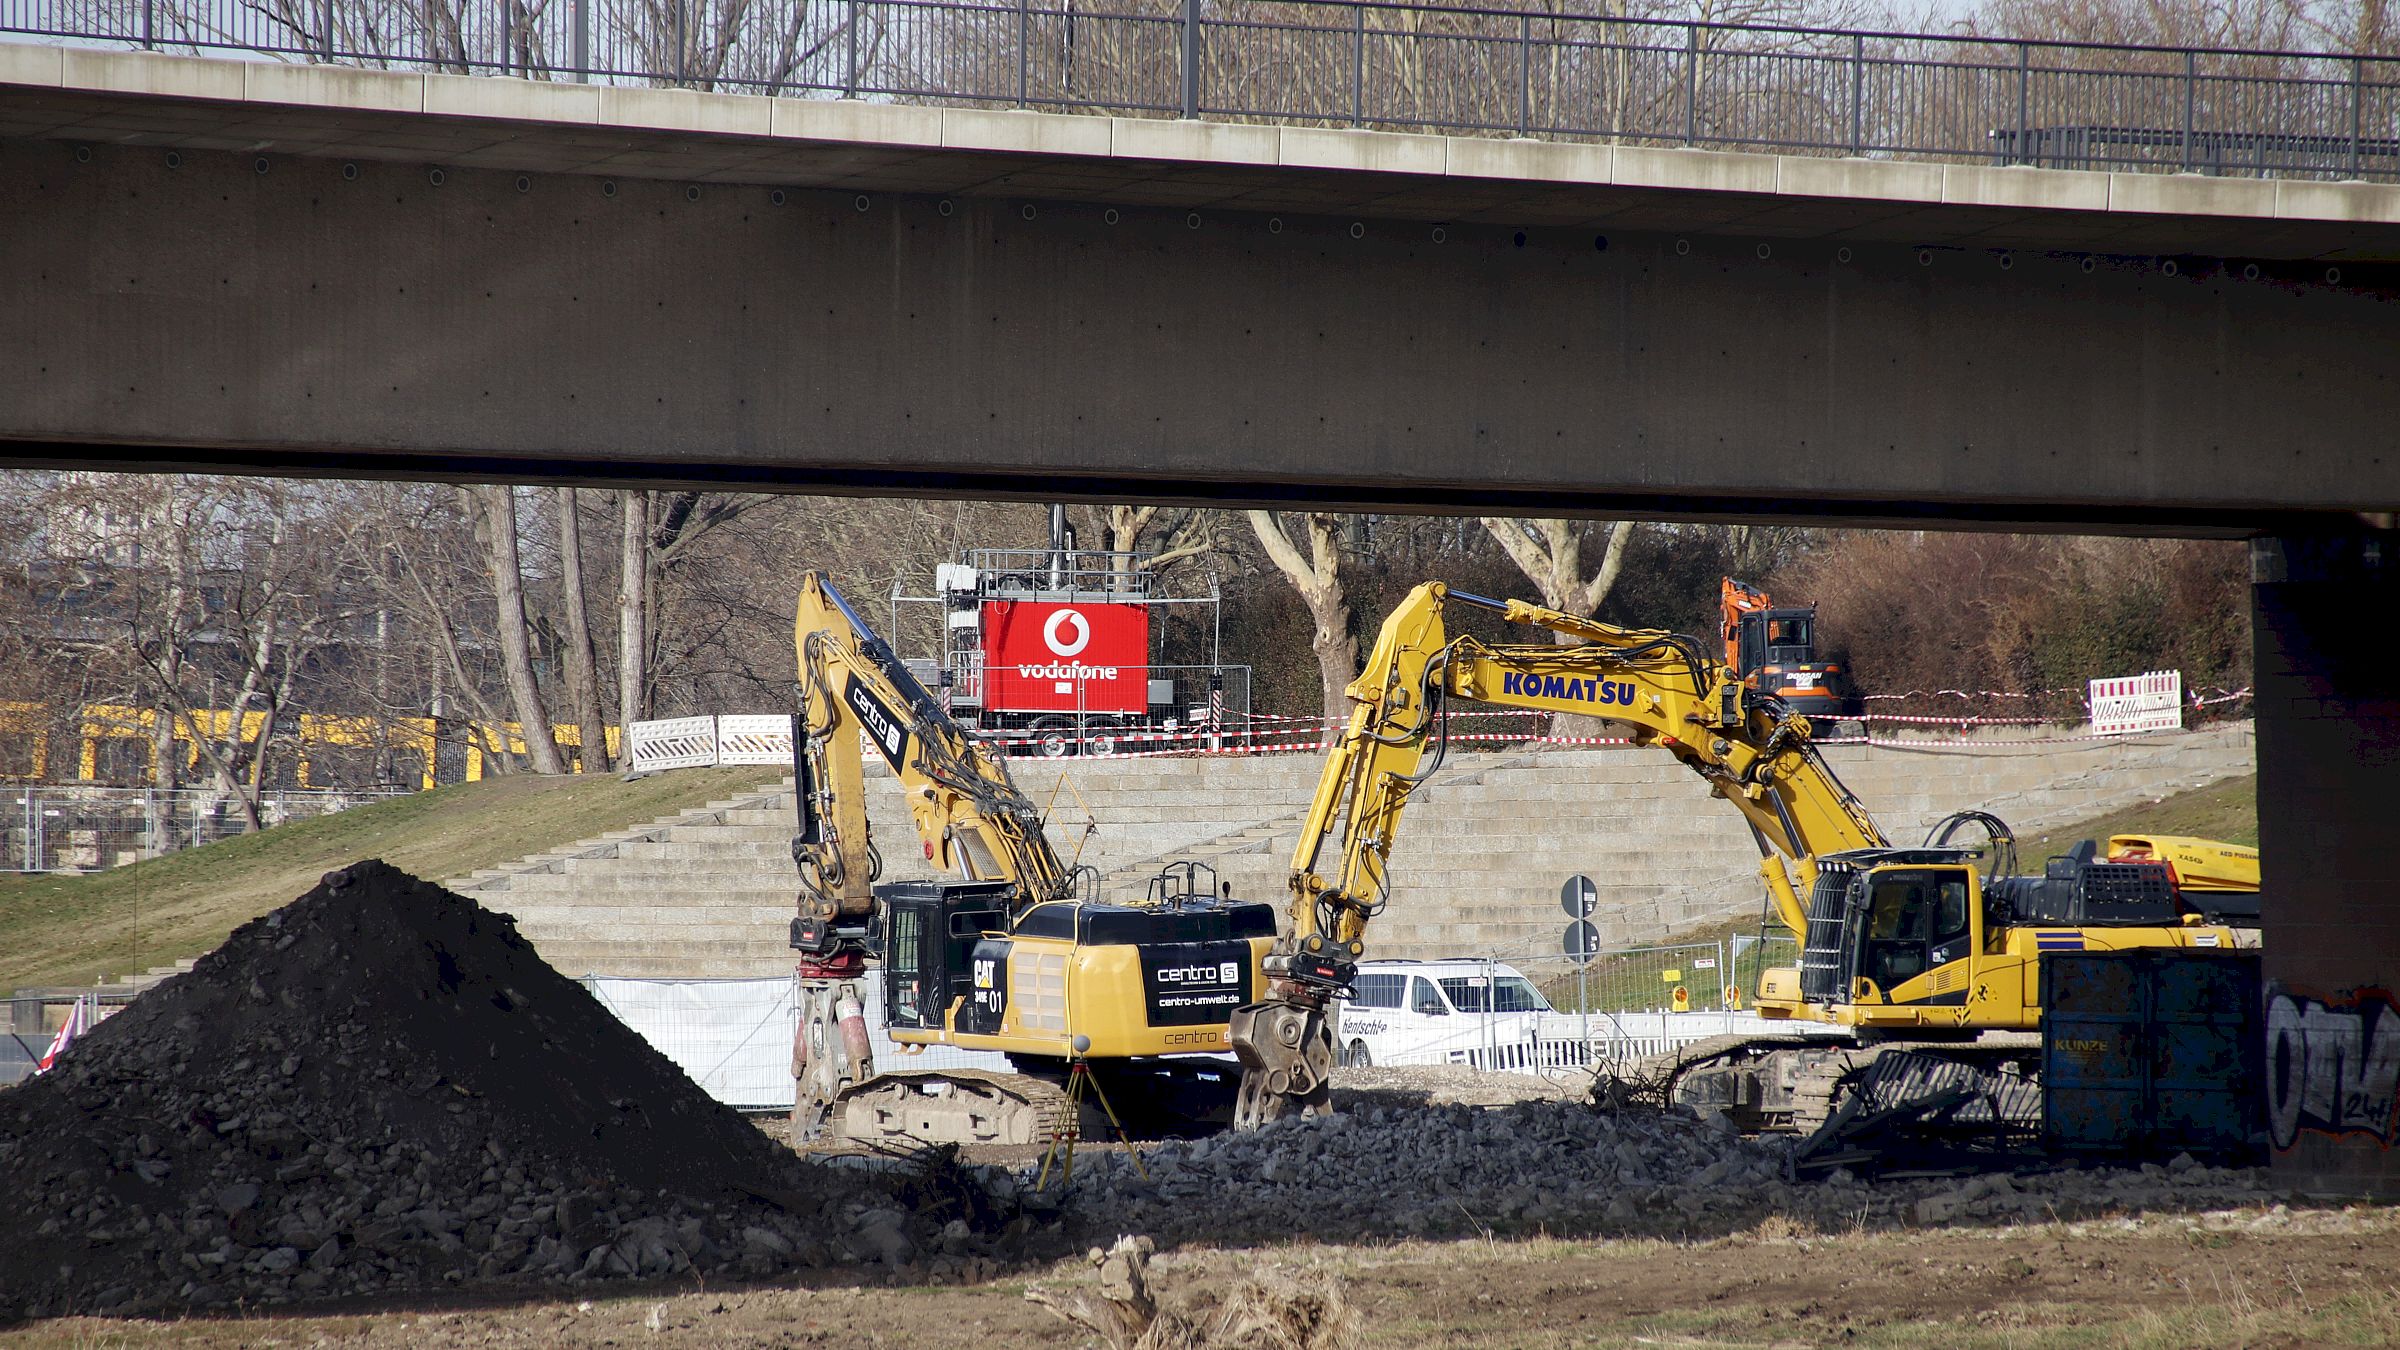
column 1479, row 860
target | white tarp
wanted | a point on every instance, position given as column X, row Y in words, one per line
column 734, row 1037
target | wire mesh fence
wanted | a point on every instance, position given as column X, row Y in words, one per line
column 1555, row 72
column 89, row 829
column 1544, row 1013
column 32, row 1022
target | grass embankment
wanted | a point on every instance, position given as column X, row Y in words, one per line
column 72, row 930
column 2225, row 810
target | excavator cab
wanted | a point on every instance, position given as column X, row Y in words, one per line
column 1774, row 650
column 1880, row 920
column 926, row 933
column 1917, row 919
column 1778, row 637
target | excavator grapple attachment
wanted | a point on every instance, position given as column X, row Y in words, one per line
column 1286, row 1051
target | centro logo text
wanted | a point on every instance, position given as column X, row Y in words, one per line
column 1224, row 972
column 1567, row 687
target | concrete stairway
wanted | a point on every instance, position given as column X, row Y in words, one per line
column 1483, row 852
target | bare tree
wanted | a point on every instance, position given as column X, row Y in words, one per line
column 499, row 521
column 201, row 600
column 1317, row 576
column 1188, row 533
column 583, row 681
column 1549, row 552
column 633, row 607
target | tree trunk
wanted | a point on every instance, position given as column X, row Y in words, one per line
column 1318, row 579
column 1336, row 649
column 516, row 645
column 633, row 569
column 582, row 664
column 166, row 766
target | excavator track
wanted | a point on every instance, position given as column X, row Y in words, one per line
column 1892, row 1074
column 955, row 1106
column 1150, row 1098
column 1733, row 1074
column 1799, row 1083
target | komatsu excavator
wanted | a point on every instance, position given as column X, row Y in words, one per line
column 1932, row 949
column 1014, row 954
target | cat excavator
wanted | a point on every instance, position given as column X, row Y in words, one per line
column 1011, row 951
column 1929, row 952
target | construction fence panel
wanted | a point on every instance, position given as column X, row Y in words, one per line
column 672, row 743
column 1678, row 978
column 1621, row 1007
column 32, row 1022
column 754, row 738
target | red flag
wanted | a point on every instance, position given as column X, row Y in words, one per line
column 76, row 1024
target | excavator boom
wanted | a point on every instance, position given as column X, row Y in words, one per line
column 975, row 823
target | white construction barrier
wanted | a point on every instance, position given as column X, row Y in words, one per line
column 2126, row 704
column 753, row 738
column 705, row 742
column 671, row 743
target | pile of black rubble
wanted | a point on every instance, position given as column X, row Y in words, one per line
column 381, row 1088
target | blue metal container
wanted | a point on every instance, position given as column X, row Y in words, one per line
column 2152, row 1052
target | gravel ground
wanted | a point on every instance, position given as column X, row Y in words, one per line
column 380, row 1092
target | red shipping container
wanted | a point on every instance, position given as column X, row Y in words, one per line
column 1045, row 657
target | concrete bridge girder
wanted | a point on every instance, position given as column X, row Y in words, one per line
column 1362, row 319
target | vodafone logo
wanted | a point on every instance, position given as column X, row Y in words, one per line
column 1053, row 632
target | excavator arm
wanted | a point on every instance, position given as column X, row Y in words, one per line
column 1666, row 690
column 971, row 818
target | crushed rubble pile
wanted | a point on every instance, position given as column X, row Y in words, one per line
column 1408, row 1171
column 1390, row 1172
column 381, row 1087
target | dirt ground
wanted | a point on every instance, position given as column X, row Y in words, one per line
column 2260, row 1278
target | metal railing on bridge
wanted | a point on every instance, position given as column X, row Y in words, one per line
column 1537, row 71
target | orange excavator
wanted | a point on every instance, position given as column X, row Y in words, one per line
column 1774, row 651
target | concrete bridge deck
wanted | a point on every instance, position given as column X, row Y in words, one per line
column 463, row 121
column 251, row 266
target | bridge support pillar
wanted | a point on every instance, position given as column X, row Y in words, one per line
column 2328, row 706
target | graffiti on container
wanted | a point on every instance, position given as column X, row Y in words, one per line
column 2332, row 1067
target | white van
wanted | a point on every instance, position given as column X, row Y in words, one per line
column 1483, row 1013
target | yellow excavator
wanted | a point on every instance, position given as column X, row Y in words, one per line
column 1012, row 951
column 1933, row 950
